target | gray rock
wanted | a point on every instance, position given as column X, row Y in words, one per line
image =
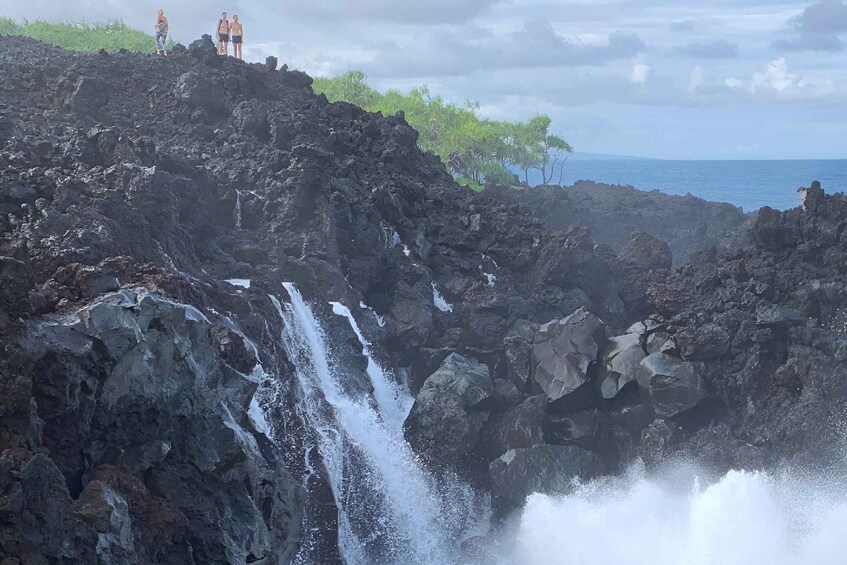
column 450, row 410
column 107, row 511
column 646, row 250
column 672, row 384
column 203, row 48
column 547, row 469
column 250, row 117
column 9, row 129
column 644, row 328
column 197, row 90
column 295, row 79
column 507, row 393
column 89, row 95
column 563, row 350
column 705, row 342
column 518, row 427
column 16, row 279
column 172, row 409
column 620, row 360
column 517, row 351
column 43, row 505
column 780, row 317
column 661, row 342
column 582, row 429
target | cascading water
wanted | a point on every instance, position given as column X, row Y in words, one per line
column 394, row 403
column 390, row 510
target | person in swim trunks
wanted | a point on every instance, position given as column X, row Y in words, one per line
column 236, row 31
column 223, row 35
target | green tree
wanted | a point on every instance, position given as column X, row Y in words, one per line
column 475, row 150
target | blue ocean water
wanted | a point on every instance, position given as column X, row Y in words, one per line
column 748, row 184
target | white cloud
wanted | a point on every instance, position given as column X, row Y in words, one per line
column 777, row 81
column 640, row 70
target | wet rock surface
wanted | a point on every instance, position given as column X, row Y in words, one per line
column 451, row 410
column 548, row 469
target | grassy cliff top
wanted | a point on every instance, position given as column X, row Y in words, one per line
column 111, row 36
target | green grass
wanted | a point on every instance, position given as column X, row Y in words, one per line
column 470, row 183
column 111, row 36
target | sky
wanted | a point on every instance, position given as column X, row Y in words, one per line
column 687, row 79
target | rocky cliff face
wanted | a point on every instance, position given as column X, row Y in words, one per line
column 152, row 209
column 613, row 213
column 766, row 325
column 132, row 188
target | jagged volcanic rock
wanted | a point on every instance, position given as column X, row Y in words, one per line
column 131, row 188
column 613, row 213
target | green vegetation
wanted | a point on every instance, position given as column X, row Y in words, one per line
column 111, row 36
column 476, row 150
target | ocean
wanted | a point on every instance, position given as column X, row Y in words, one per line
column 747, row 184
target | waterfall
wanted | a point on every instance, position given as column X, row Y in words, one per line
column 394, row 403
column 238, row 210
column 390, row 510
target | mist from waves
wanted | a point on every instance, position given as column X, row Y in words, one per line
column 742, row 518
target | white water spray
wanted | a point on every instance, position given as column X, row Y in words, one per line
column 238, row 210
column 394, row 403
column 389, row 508
column 743, row 519
column 439, row 301
column 379, row 319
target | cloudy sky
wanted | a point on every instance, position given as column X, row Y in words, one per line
column 682, row 79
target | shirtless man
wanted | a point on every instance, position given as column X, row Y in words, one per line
column 236, row 31
column 223, row 35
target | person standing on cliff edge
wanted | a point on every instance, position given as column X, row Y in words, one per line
column 236, row 31
column 223, row 35
column 161, row 28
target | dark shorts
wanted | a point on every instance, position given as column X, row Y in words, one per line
column 224, row 38
column 236, row 40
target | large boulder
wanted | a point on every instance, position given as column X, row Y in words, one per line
column 107, row 512
column 563, row 351
column 519, row 427
column 547, row 469
column 582, row 429
column 141, row 383
column 197, row 91
column 88, row 96
column 647, row 251
column 673, row 385
column 450, row 410
column 250, row 117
